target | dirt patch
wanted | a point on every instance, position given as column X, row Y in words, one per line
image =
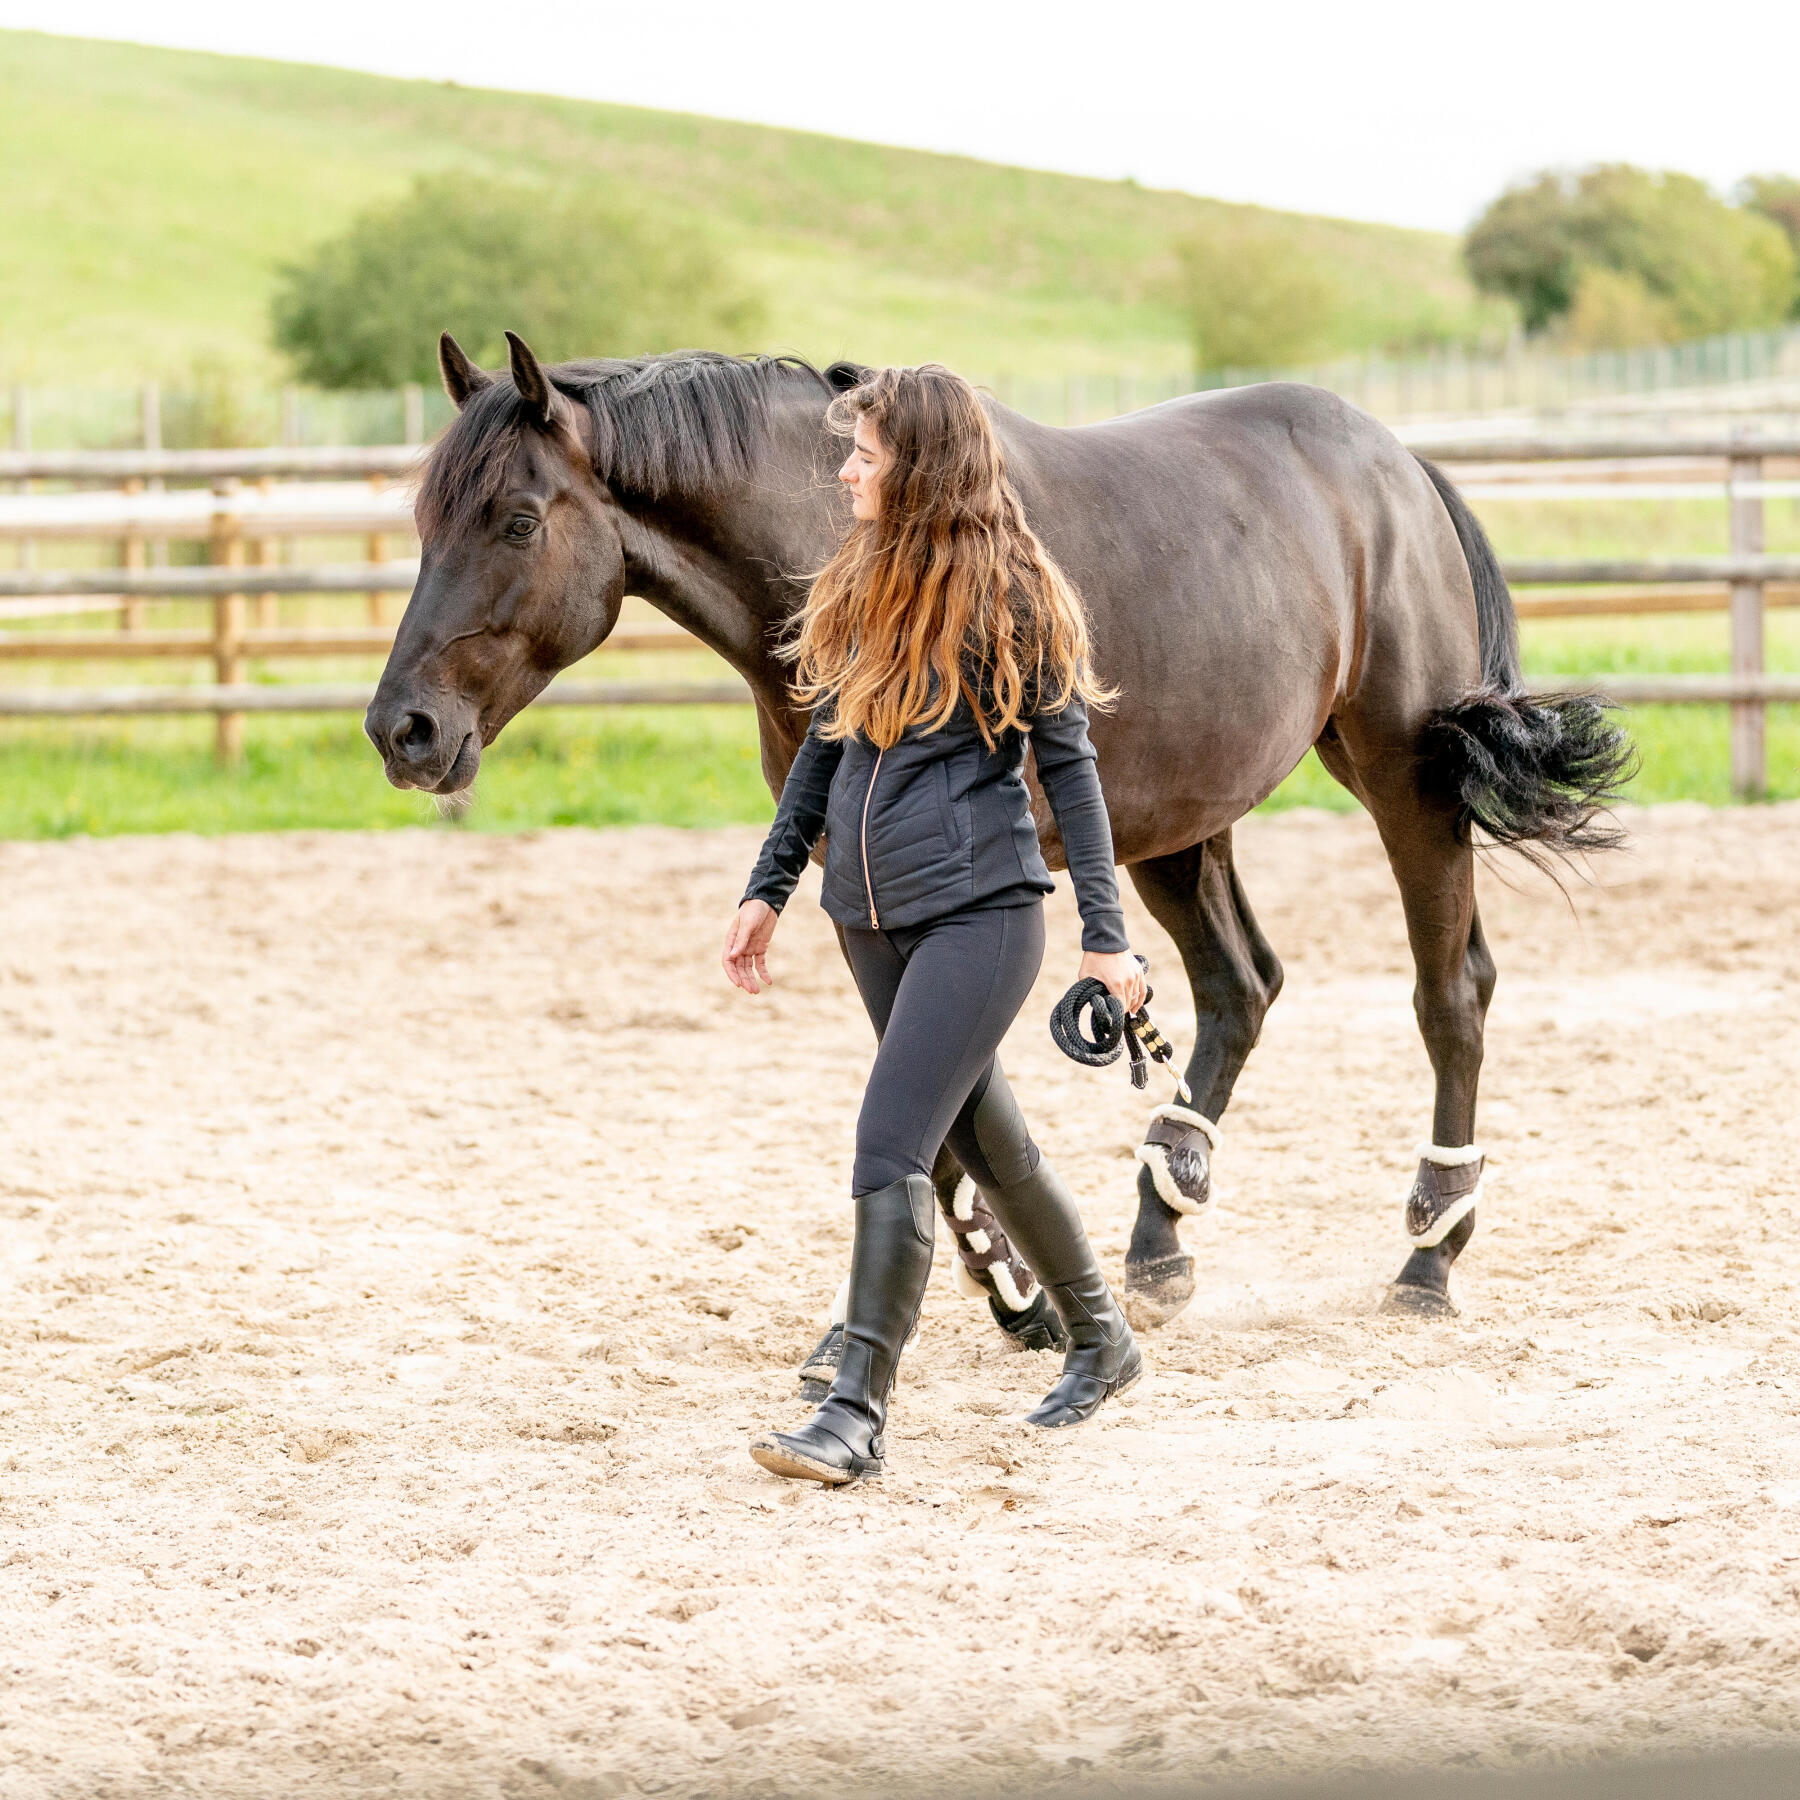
column 402, row 1234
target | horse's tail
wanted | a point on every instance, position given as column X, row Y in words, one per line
column 1528, row 769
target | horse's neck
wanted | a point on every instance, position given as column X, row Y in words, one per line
column 729, row 568
column 693, row 576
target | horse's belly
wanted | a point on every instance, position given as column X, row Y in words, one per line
column 1180, row 771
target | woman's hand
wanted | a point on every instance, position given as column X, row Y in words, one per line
column 747, row 946
column 1122, row 973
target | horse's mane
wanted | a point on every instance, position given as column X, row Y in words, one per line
column 687, row 422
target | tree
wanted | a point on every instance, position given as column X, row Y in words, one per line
column 1777, row 198
column 1251, row 301
column 1525, row 247
column 1682, row 262
column 575, row 272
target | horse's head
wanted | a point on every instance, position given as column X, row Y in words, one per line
column 521, row 572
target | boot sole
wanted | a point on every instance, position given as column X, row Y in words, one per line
column 778, row 1459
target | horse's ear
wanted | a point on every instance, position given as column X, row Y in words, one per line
column 841, row 377
column 535, row 389
column 461, row 377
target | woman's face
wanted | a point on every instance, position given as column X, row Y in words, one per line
column 861, row 472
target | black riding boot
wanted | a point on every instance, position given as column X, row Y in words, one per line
column 1038, row 1213
column 888, row 1269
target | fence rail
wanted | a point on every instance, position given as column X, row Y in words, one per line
column 234, row 520
column 317, row 460
column 398, row 577
column 1587, row 447
column 201, row 582
column 1506, row 444
column 65, row 703
column 249, row 697
column 265, row 646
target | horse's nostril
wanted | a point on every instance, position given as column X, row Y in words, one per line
column 415, row 735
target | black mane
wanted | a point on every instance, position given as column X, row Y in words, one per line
column 687, row 422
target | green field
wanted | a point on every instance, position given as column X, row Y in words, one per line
column 149, row 197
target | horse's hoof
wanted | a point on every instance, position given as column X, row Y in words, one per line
column 1422, row 1288
column 1036, row 1328
column 1156, row 1292
column 1419, row 1302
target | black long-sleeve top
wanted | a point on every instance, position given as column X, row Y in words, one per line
column 939, row 822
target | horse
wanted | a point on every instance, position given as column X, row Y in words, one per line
column 1267, row 569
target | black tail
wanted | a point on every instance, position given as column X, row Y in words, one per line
column 1528, row 769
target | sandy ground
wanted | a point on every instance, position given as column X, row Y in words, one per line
column 403, row 1234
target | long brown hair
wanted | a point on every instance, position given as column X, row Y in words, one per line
column 947, row 593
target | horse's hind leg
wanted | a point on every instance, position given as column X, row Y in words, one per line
column 1450, row 1000
column 1434, row 865
column 1196, row 897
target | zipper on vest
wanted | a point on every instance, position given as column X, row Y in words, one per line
column 868, row 882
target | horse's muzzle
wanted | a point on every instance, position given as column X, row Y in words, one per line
column 419, row 751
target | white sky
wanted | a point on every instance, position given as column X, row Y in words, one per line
column 1377, row 109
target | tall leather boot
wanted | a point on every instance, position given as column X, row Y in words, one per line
column 888, row 1269
column 1038, row 1213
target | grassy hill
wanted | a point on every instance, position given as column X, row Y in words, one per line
column 147, row 197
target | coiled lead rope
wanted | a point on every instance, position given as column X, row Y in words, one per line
column 1112, row 1031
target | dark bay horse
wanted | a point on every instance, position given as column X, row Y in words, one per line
column 1267, row 569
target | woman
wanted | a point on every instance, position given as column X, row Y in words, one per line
column 938, row 638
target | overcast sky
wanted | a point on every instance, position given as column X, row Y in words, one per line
column 1389, row 109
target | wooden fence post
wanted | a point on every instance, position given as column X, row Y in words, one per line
column 150, row 409
column 1749, row 765
column 131, row 615
column 228, row 622
column 263, row 552
column 21, row 440
column 377, row 553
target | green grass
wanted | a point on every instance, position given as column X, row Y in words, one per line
column 150, row 195
column 693, row 766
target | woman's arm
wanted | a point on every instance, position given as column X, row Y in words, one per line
column 799, row 818
column 1065, row 766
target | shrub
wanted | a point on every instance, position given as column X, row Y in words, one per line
column 575, row 272
column 1250, row 300
column 1613, row 310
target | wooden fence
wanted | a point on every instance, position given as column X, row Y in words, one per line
column 244, row 518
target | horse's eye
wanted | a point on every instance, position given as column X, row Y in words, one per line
column 521, row 525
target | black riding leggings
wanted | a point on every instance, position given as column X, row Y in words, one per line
column 941, row 997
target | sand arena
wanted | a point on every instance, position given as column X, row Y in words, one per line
column 402, row 1234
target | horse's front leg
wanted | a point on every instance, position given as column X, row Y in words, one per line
column 1196, row 897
